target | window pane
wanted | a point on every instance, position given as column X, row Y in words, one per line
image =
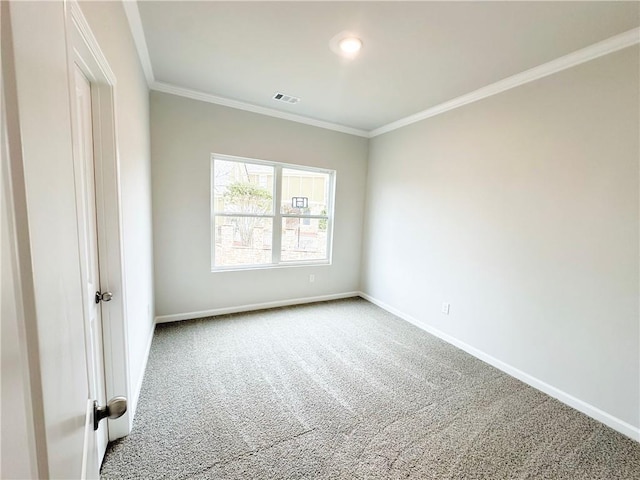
column 240, row 187
column 304, row 239
column 304, row 192
column 242, row 241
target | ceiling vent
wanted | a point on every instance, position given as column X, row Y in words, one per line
column 283, row 97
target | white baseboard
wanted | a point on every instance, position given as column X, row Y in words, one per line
column 255, row 306
column 133, row 404
column 580, row 405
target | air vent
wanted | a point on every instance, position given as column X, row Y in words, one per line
column 283, row 97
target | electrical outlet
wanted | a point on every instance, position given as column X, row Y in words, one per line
column 445, row 308
column 312, row 278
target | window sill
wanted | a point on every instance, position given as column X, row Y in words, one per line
column 241, row 268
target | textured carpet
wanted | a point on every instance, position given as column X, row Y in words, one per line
column 344, row 390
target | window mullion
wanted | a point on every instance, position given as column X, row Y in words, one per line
column 330, row 196
column 276, row 240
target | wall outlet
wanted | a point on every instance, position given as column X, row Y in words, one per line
column 312, row 278
column 445, row 308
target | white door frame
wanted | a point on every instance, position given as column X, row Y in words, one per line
column 20, row 268
column 83, row 48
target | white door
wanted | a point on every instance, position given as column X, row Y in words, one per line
column 95, row 440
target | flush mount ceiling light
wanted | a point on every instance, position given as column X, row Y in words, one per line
column 350, row 45
column 346, row 44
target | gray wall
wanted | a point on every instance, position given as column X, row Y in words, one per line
column 184, row 133
column 521, row 211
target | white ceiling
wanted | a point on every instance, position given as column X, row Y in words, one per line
column 416, row 55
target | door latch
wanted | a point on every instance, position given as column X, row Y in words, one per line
column 103, row 297
column 114, row 408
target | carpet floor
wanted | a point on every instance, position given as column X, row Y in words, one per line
column 345, row 390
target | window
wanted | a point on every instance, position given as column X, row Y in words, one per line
column 267, row 214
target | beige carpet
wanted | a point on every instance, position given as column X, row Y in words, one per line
column 344, row 390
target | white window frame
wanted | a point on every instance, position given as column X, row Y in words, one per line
column 276, row 216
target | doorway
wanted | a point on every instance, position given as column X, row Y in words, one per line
column 92, row 91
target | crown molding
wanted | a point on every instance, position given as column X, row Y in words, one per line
column 599, row 49
column 137, row 32
column 610, row 45
column 226, row 102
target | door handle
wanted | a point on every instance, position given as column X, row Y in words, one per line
column 103, row 297
column 114, row 408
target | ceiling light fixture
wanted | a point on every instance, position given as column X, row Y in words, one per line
column 350, row 45
column 345, row 44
